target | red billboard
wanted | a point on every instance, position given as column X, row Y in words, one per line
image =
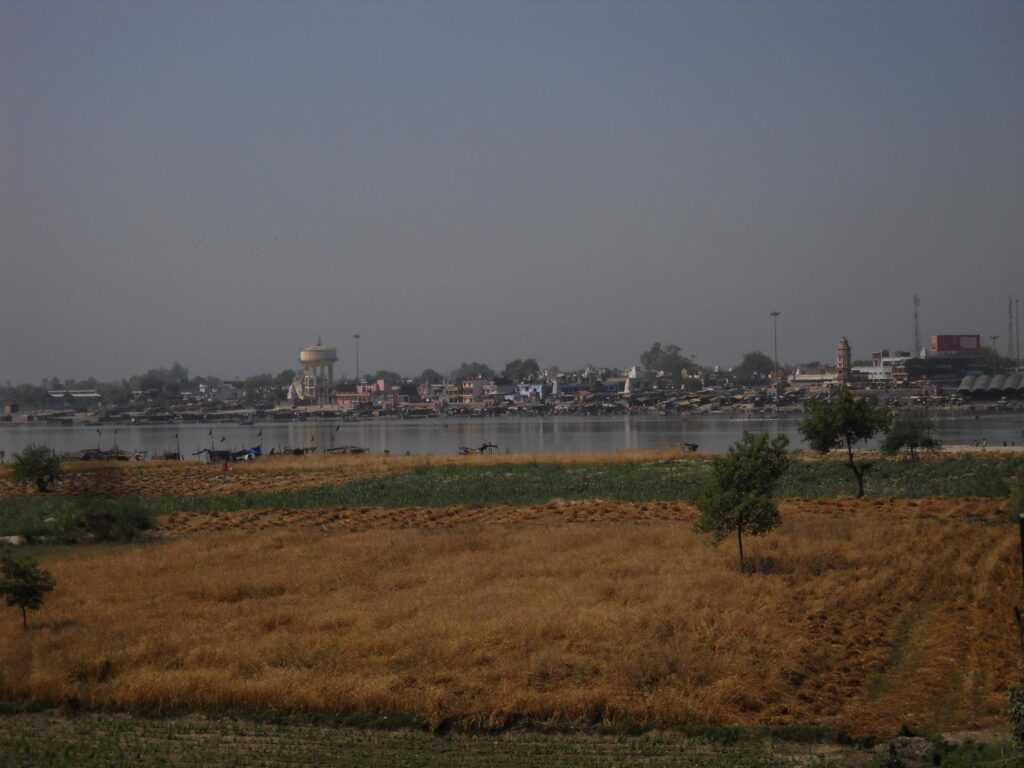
column 956, row 343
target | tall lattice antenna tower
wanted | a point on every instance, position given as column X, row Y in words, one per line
column 917, row 327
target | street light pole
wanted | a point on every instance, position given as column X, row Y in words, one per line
column 356, row 336
column 775, row 330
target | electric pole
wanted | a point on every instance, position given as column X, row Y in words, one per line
column 357, row 337
column 1009, row 330
column 775, row 324
column 917, row 328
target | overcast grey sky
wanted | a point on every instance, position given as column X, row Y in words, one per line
column 219, row 183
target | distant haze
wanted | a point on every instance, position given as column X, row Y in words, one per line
column 220, row 183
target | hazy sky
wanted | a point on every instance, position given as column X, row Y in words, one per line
column 219, row 183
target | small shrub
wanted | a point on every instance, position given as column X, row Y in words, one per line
column 1016, row 716
column 740, row 495
column 67, row 520
column 37, row 464
column 913, row 431
column 92, row 671
column 41, row 518
column 1016, row 486
column 24, row 584
column 116, row 519
column 842, row 423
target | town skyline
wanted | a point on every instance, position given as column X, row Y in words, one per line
column 371, row 372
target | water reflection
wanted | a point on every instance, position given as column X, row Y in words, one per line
column 447, row 436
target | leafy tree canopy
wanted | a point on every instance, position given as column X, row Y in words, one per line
column 740, row 495
column 913, row 431
column 472, row 371
column 1016, row 486
column 37, row 464
column 386, row 375
column 24, row 585
column 754, row 366
column 521, row 370
column 23, row 394
column 169, row 380
column 844, row 422
column 429, row 376
column 668, row 360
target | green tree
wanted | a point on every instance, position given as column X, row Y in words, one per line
column 258, row 388
column 166, row 382
column 754, row 366
column 37, row 464
column 429, row 376
column 913, row 430
column 668, row 360
column 740, row 494
column 472, row 371
column 24, row 585
column 1016, row 485
column 521, row 369
column 844, row 422
column 25, row 395
column 114, row 393
column 388, row 376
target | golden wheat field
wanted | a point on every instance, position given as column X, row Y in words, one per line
column 862, row 615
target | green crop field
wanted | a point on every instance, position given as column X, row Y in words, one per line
column 64, row 517
column 85, row 740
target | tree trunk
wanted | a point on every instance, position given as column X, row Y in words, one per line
column 858, row 473
column 739, row 539
column 24, row 618
column 41, row 484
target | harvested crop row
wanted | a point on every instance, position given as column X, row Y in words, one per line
column 563, row 511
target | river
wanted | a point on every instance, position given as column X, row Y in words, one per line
column 714, row 433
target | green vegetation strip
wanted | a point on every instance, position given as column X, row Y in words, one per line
column 70, row 519
column 55, row 738
column 116, row 739
column 525, row 484
column 62, row 518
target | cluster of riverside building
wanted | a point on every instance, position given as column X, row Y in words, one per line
column 953, row 364
column 952, row 370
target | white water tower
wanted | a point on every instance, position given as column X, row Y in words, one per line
column 317, row 372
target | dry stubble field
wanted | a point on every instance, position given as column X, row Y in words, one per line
column 865, row 615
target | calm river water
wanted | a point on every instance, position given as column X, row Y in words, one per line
column 446, row 435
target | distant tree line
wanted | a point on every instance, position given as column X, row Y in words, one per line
column 661, row 364
column 157, row 384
